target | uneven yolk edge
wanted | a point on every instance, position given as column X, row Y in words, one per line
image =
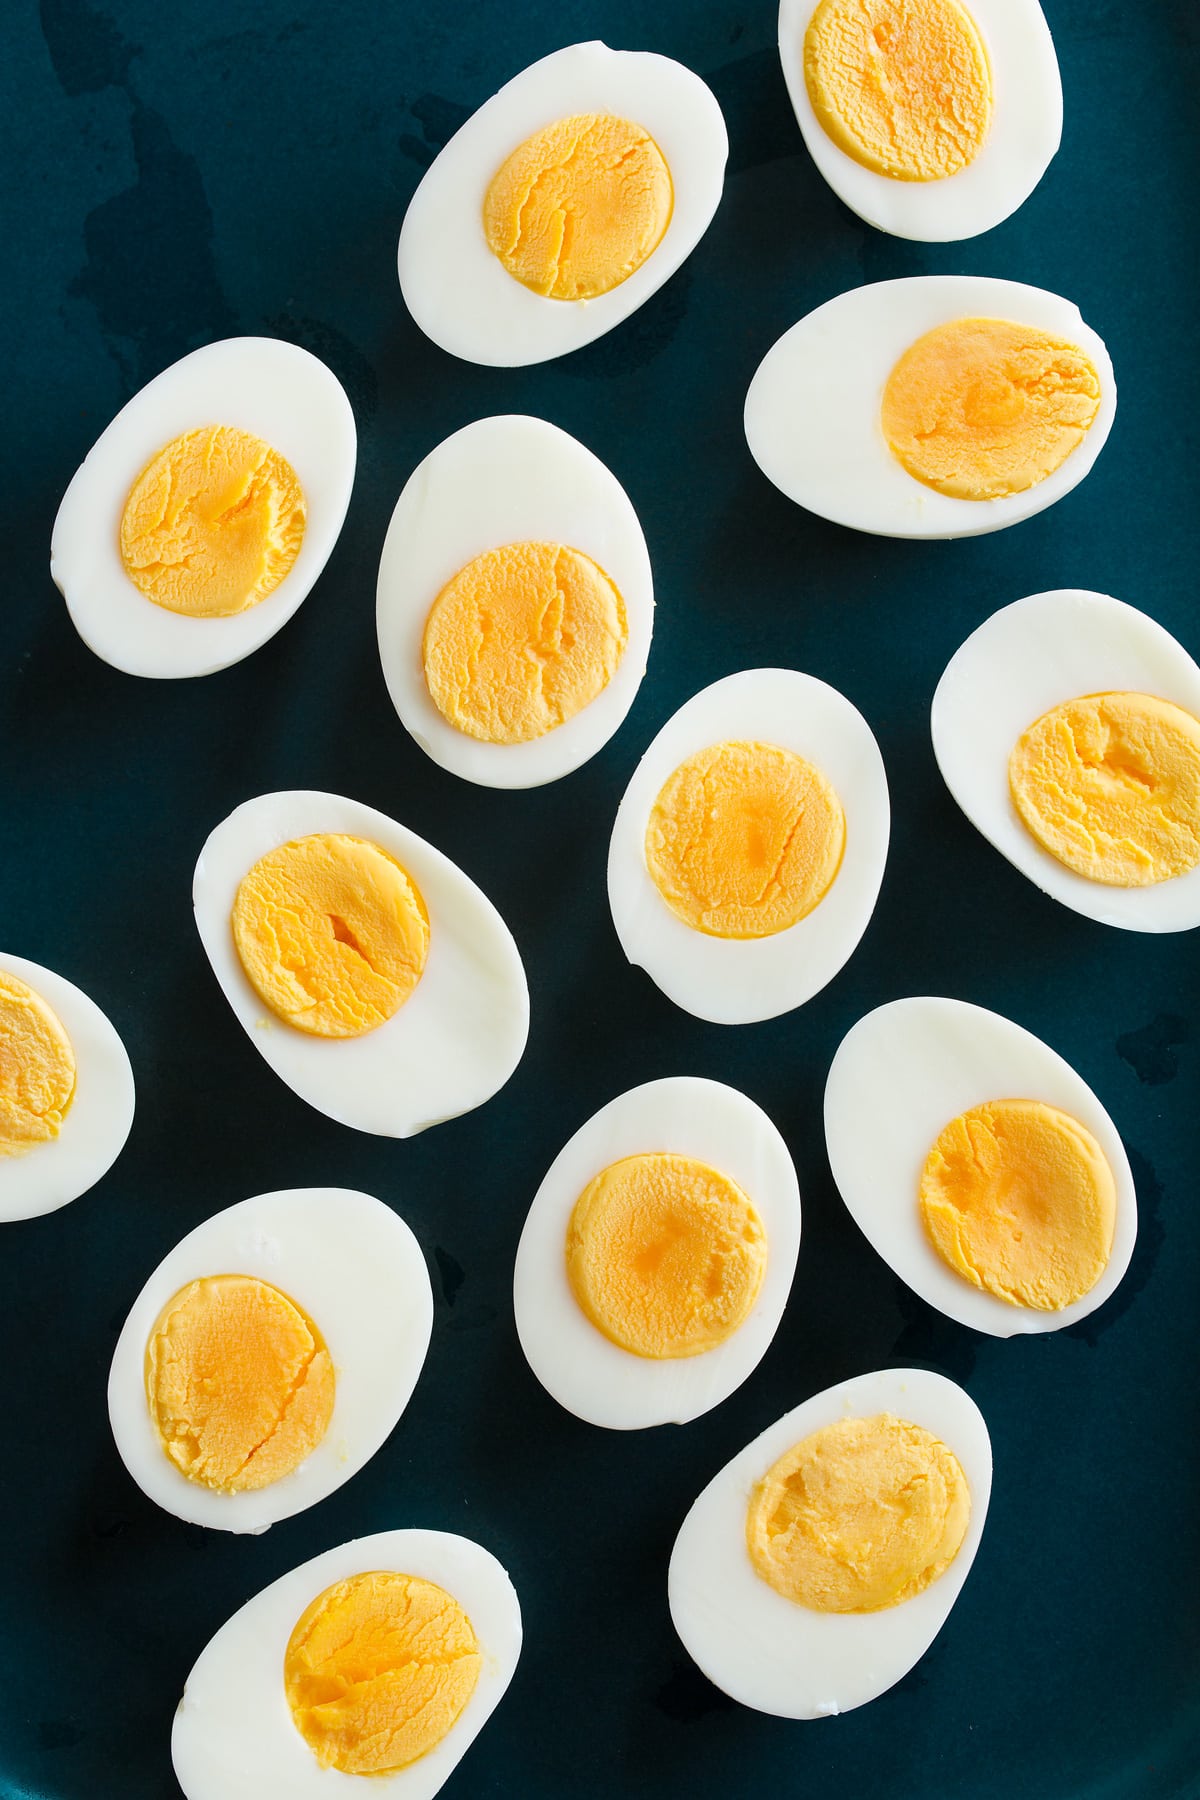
column 902, row 86
column 37, row 1069
column 522, row 639
column 1110, row 785
column 863, row 1514
column 377, row 1671
column 665, row 1255
column 1020, row 1200
column 213, row 523
column 579, row 206
column 332, row 933
column 239, row 1383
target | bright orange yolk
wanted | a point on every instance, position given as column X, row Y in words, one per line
column 239, row 1382
column 377, row 1671
column 37, row 1069
column 522, row 639
column 579, row 206
column 863, row 1514
column 665, row 1255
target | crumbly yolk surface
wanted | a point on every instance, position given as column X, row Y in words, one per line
column 239, row 1382
column 37, row 1069
column 377, row 1671
column 1110, row 785
column 579, row 206
column 902, row 86
column 332, row 933
column 213, row 523
column 981, row 408
column 1020, row 1200
column 522, row 639
column 665, row 1255
column 863, row 1514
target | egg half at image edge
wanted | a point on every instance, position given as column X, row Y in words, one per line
column 562, row 204
column 937, row 406
column 515, row 603
column 895, row 1469
column 375, row 1664
column 371, row 974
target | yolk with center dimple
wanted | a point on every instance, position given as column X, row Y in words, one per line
column 37, row 1068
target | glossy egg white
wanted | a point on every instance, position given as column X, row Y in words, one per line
column 452, row 1044
column 461, row 295
column 764, row 1650
column 277, row 391
column 502, row 481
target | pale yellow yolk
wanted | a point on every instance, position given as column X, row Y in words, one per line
column 332, row 934
column 37, row 1069
column 744, row 840
column 239, row 1383
column 213, row 524
column 579, row 206
column 861, row 1515
column 981, row 408
column 1110, row 785
column 665, row 1255
column 1020, row 1200
column 521, row 640
column 378, row 1669
column 902, row 86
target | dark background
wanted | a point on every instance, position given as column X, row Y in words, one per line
column 176, row 174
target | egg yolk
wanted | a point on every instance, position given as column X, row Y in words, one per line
column 239, row 1382
column 37, row 1069
column 1110, row 785
column 902, row 86
column 579, row 206
column 665, row 1255
column 1020, row 1200
column 332, row 933
column 981, row 408
column 213, row 523
column 863, row 1514
column 522, row 639
column 377, row 1671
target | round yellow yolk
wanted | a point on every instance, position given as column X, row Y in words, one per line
column 1020, row 1200
column 213, row 523
column 981, row 408
column 863, row 1514
column 1110, row 785
column 332, row 934
column 902, row 86
column 665, row 1255
column 377, row 1671
column 37, row 1069
column 744, row 840
column 521, row 640
column 239, row 1382
column 579, row 206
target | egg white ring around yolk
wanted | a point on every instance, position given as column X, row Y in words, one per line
column 501, row 481
column 761, row 1648
column 234, row 1737
column 459, row 292
column 1027, row 658
column 812, row 410
column 284, row 396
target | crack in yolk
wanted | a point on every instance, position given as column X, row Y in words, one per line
column 37, row 1069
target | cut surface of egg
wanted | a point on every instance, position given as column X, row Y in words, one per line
column 894, row 1469
column 371, row 974
column 658, row 1255
column 382, row 1658
column 992, row 1180
column 568, row 199
column 515, row 603
column 203, row 515
column 269, row 1355
column 937, row 406
column 1043, row 674
column 749, row 847
column 931, row 119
